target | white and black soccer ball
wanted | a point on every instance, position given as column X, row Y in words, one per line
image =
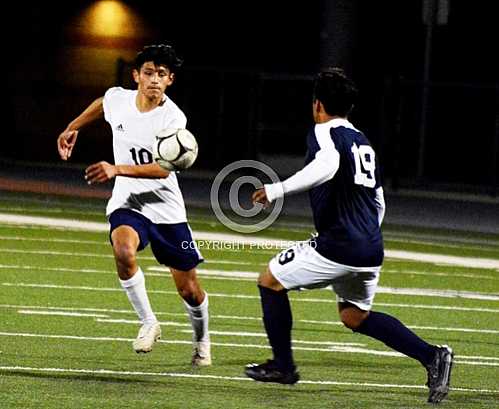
column 175, row 149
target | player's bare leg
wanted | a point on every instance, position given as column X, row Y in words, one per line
column 196, row 304
column 278, row 323
column 125, row 242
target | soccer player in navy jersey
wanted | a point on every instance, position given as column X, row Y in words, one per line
column 343, row 179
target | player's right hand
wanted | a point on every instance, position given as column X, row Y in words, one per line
column 260, row 196
column 65, row 143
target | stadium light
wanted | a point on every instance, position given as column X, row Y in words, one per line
column 110, row 18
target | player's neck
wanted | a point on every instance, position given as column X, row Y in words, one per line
column 146, row 104
column 323, row 117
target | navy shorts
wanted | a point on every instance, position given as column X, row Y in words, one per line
column 171, row 244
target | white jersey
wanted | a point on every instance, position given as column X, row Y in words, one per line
column 160, row 200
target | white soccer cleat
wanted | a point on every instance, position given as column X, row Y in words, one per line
column 201, row 355
column 147, row 336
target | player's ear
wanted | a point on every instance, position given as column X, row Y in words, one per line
column 316, row 104
column 135, row 74
column 171, row 78
column 320, row 106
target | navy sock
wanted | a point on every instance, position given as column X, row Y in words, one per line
column 397, row 336
column 278, row 323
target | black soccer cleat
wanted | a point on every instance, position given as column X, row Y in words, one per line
column 439, row 374
column 269, row 372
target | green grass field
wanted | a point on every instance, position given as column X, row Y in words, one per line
column 67, row 327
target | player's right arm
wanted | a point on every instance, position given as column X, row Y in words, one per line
column 67, row 139
column 321, row 169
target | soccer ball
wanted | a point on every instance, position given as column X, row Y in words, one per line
column 175, row 149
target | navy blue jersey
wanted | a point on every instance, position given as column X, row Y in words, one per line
column 344, row 208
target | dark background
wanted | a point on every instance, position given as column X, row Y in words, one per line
column 246, row 83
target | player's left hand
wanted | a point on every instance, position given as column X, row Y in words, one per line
column 100, row 172
column 260, row 196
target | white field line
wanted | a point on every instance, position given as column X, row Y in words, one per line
column 470, row 262
column 410, row 291
column 105, row 318
column 77, row 254
column 135, row 322
column 208, row 274
column 436, row 307
column 222, row 275
column 60, row 253
column 462, row 243
column 255, row 242
column 438, row 293
column 212, row 274
column 52, row 202
column 230, row 333
column 443, row 244
column 249, row 274
column 62, row 313
column 241, row 276
column 263, row 335
column 98, row 255
column 53, row 240
column 218, row 261
column 77, row 309
column 101, row 372
column 212, row 316
column 61, row 269
column 54, row 210
column 484, row 361
column 52, row 222
column 405, row 237
column 69, row 230
column 54, row 312
column 228, row 275
column 331, row 348
column 432, row 238
column 437, row 274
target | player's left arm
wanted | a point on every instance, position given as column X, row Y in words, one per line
column 101, row 172
column 379, row 200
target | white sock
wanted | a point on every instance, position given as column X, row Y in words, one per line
column 135, row 289
column 199, row 320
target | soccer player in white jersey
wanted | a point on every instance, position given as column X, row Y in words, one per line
column 343, row 179
column 146, row 204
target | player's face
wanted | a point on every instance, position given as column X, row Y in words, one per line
column 153, row 79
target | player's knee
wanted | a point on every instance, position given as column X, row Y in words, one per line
column 190, row 293
column 267, row 280
column 352, row 318
column 124, row 253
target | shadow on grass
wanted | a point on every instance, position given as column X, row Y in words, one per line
column 74, row 377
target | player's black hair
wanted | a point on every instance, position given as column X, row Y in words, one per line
column 336, row 91
column 159, row 54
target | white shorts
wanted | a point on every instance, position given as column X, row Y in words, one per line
column 301, row 267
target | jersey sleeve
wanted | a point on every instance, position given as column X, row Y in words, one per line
column 377, row 174
column 180, row 120
column 107, row 103
column 319, row 170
